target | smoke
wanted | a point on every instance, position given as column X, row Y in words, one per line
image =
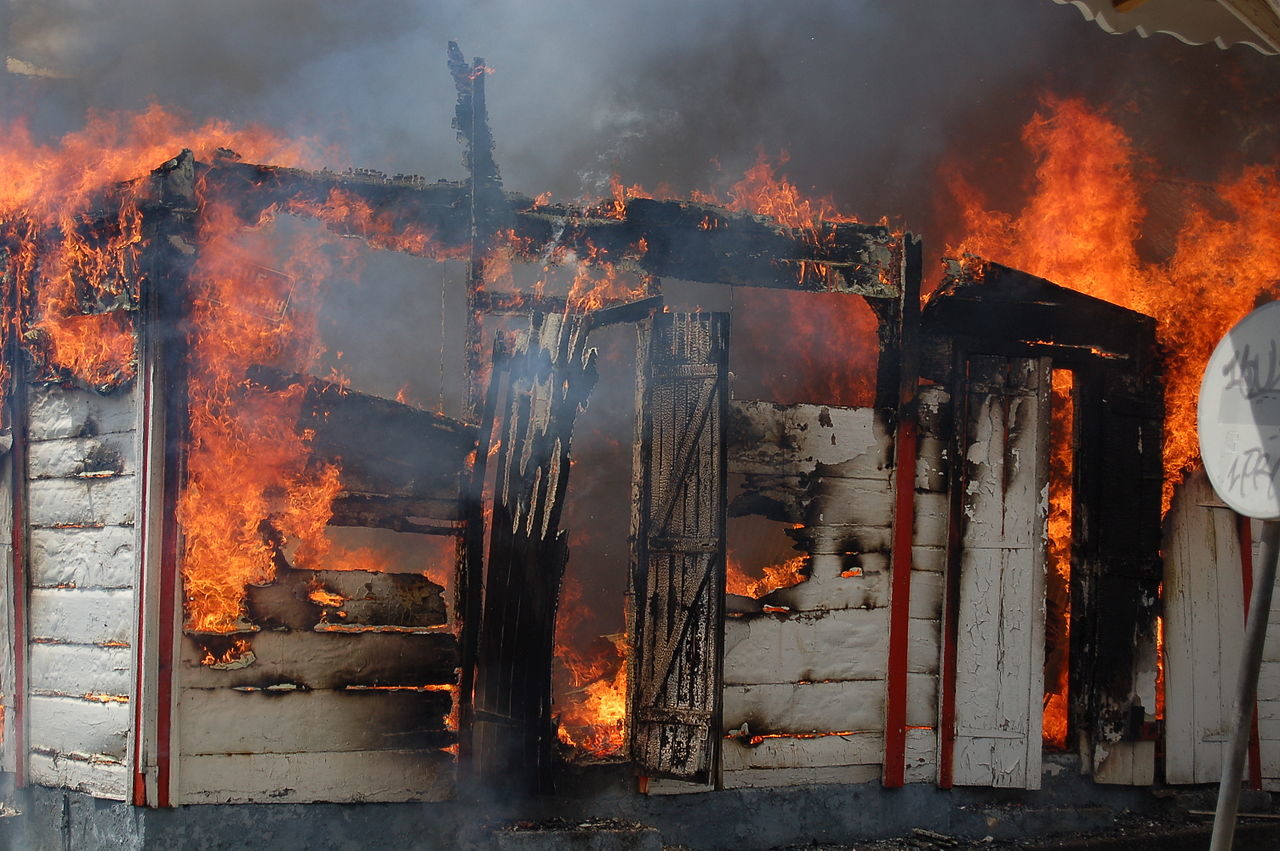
column 868, row 98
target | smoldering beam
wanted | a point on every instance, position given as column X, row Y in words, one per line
column 672, row 239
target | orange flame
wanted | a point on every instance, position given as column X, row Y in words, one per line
column 1080, row 229
column 773, row 577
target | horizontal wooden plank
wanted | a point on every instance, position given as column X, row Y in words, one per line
column 774, row 439
column 803, row 752
column 94, row 557
column 99, row 778
column 924, row 643
column 931, row 513
column 75, row 616
column 849, row 644
column 216, row 721
column 817, row 707
column 927, row 589
column 100, row 456
column 79, row 669
column 82, row 502
column 68, row 725
column 302, row 599
column 922, row 700
column 931, row 464
column 331, row 660
column 826, row 590
column 931, row 559
column 60, row 412
column 922, row 755
column 767, row 777
column 345, row 777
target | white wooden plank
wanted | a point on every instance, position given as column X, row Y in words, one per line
column 1204, row 628
column 59, row 412
column 793, row 752
column 80, row 669
column 924, row 644
column 217, row 721
column 849, row 644
column 931, row 559
column 346, row 777
column 330, row 660
column 1125, row 763
column 931, row 515
column 922, row 700
column 850, row 502
column 806, row 707
column 67, row 725
column 927, row 589
column 82, row 502
column 1000, row 632
column 99, row 778
column 74, row 616
column 773, row 439
column 931, row 464
column 95, row 557
column 922, row 755
column 100, row 456
column 779, row 777
column 826, row 590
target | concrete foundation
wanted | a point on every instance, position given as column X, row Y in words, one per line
column 738, row 819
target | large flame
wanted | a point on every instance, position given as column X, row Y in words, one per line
column 1081, row 226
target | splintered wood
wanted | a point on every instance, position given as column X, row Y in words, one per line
column 679, row 526
column 548, row 377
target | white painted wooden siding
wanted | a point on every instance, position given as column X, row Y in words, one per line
column 82, row 503
column 1204, row 631
column 1000, row 653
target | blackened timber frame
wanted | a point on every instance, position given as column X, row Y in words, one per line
column 679, row 545
column 983, row 308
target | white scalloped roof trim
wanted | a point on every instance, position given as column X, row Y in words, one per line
column 1189, row 21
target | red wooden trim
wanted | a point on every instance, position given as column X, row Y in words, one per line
column 17, row 725
column 1245, row 531
column 895, row 723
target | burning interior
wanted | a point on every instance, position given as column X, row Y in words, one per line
column 237, row 579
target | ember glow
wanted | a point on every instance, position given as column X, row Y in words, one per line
column 1081, row 226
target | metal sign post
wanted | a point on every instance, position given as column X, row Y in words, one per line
column 1239, row 429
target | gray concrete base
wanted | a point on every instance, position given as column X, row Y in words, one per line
column 734, row 820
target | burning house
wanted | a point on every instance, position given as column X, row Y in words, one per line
column 232, row 580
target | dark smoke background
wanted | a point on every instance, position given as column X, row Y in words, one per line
column 871, row 100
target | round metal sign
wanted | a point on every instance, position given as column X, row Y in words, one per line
column 1239, row 414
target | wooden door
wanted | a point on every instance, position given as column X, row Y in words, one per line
column 679, row 545
column 999, row 682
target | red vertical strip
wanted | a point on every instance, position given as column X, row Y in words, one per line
column 895, row 724
column 18, row 539
column 1246, row 577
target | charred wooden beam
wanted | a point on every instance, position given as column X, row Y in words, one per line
column 399, row 514
column 983, row 306
column 313, row 600
column 549, row 377
column 382, row 446
column 673, row 239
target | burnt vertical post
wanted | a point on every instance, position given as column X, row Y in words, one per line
column 679, row 546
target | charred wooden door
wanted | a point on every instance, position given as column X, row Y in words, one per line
column 550, row 376
column 999, row 667
column 679, row 545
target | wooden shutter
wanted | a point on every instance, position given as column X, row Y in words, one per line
column 1000, row 651
column 679, row 545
